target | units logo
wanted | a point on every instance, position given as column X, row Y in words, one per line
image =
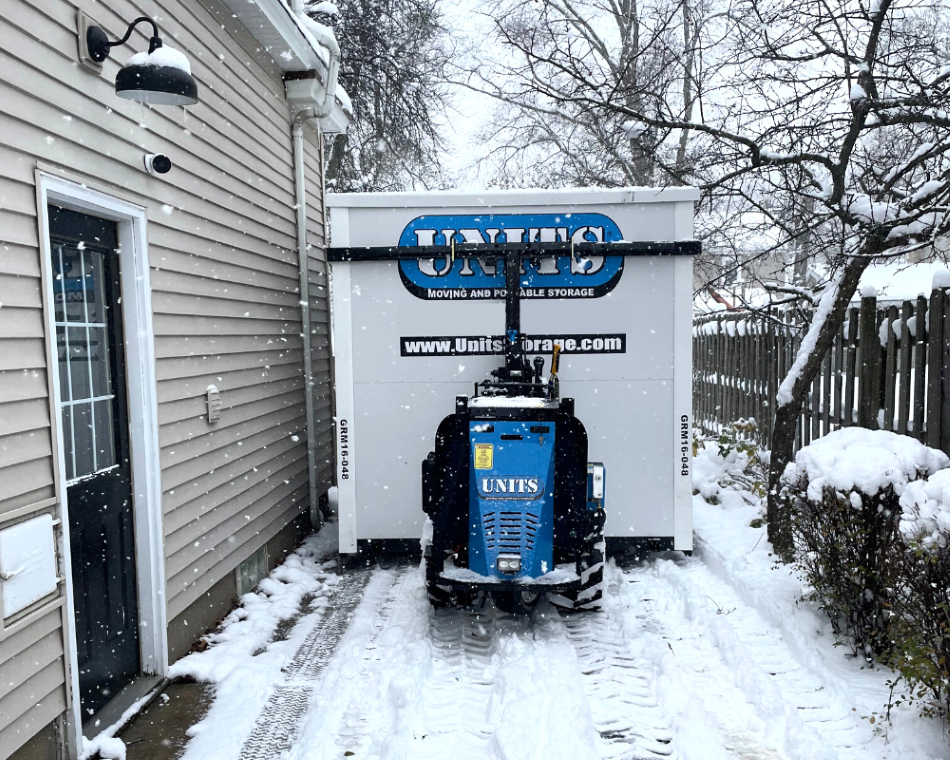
column 468, row 278
column 510, row 488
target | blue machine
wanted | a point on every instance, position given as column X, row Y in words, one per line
column 511, row 502
column 516, row 508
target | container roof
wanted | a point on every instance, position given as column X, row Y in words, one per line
column 508, row 198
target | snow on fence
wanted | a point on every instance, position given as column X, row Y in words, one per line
column 902, row 383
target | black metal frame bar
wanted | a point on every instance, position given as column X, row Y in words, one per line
column 508, row 586
column 513, row 351
column 513, row 255
column 397, row 253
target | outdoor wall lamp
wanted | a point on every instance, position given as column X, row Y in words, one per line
column 161, row 76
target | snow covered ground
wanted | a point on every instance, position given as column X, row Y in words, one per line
column 700, row 658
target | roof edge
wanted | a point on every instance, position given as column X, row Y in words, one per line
column 265, row 18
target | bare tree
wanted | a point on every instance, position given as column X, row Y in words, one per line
column 393, row 67
column 824, row 130
column 642, row 51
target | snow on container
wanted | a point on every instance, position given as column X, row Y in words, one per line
column 409, row 335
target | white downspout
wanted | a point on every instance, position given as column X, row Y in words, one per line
column 300, row 187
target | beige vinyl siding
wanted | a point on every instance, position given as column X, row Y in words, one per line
column 224, row 290
column 319, row 318
column 26, row 466
column 31, row 674
column 32, row 687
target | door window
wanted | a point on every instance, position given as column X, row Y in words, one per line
column 83, row 280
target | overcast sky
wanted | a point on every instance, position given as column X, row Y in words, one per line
column 472, row 31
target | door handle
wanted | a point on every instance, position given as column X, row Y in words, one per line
column 5, row 576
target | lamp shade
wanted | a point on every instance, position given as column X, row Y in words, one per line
column 162, row 77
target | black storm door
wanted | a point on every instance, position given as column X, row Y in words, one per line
column 95, row 420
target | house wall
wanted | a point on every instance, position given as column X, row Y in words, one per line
column 224, row 279
column 319, row 318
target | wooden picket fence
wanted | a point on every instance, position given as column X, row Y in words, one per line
column 889, row 368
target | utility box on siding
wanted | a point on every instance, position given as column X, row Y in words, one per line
column 411, row 335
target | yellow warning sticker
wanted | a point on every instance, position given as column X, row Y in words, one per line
column 484, row 453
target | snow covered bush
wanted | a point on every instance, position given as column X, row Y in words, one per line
column 925, row 521
column 843, row 493
column 920, row 627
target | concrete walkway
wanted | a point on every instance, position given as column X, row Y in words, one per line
column 159, row 732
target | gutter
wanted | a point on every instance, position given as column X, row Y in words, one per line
column 313, row 115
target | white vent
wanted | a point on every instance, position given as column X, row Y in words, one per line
column 27, row 563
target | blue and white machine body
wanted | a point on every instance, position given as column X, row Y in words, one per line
column 511, row 504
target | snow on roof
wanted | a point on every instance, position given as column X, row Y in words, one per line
column 864, row 460
column 889, row 281
column 293, row 46
column 900, row 281
column 730, row 299
column 343, row 98
column 313, row 30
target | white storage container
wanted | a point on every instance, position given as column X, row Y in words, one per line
column 408, row 336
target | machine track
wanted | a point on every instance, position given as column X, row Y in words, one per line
column 483, row 671
column 454, row 720
column 363, row 719
column 474, row 650
column 674, row 667
column 620, row 684
column 278, row 725
column 766, row 670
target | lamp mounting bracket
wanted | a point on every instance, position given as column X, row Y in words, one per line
column 99, row 44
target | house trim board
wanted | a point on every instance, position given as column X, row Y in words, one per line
column 131, row 220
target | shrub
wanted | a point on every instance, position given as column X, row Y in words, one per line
column 737, row 446
column 843, row 492
column 844, row 545
column 920, row 628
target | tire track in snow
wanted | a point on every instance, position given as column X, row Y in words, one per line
column 603, row 665
column 836, row 727
column 363, row 719
column 620, row 682
column 537, row 707
column 278, row 725
column 458, row 686
column 723, row 694
column 501, row 687
column 657, row 675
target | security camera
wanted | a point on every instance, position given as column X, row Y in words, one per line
column 157, row 163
